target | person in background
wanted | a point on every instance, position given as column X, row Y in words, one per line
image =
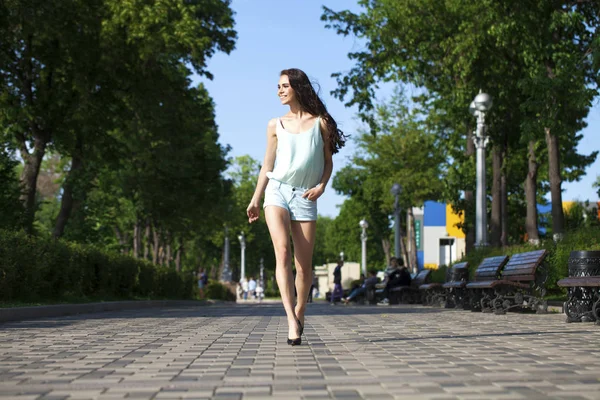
column 202, row 282
column 244, row 288
column 396, row 275
column 260, row 292
column 252, row 287
column 367, row 283
column 337, row 282
column 315, row 286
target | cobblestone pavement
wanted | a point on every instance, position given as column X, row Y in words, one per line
column 354, row 352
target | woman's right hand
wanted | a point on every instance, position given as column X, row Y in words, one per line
column 253, row 212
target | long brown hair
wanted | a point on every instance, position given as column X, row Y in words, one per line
column 311, row 103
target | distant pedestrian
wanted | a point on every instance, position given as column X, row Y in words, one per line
column 294, row 174
column 244, row 288
column 337, row 282
column 252, row 287
column 202, row 282
column 369, row 282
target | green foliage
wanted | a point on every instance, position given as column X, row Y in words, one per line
column 12, row 209
column 597, row 184
column 218, row 291
column 404, row 151
column 343, row 233
column 325, row 251
column 440, row 274
column 271, row 288
column 534, row 59
column 105, row 84
column 33, row 269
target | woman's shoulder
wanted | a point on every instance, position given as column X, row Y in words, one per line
column 290, row 116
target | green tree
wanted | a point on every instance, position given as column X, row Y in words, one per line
column 65, row 66
column 497, row 46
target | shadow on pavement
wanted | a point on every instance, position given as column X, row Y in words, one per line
column 218, row 311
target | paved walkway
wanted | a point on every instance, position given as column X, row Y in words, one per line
column 354, row 352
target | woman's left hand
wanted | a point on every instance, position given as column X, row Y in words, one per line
column 314, row 193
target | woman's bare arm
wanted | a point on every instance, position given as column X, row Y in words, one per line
column 253, row 210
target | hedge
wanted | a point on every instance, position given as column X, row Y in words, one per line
column 34, row 269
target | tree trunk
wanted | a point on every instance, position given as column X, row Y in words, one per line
column 558, row 217
column 469, row 205
column 155, row 245
column 178, row 255
column 495, row 220
column 385, row 245
column 403, row 250
column 147, row 240
column 121, row 237
column 531, row 219
column 504, row 211
column 168, row 254
column 504, row 194
column 137, row 238
column 29, row 175
column 67, row 199
column 412, row 239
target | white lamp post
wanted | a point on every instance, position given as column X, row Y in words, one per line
column 242, row 239
column 262, row 278
column 363, row 237
column 479, row 107
column 226, row 274
column 342, row 255
column 396, row 190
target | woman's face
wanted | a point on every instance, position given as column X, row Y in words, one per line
column 284, row 90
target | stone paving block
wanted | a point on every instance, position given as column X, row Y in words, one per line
column 404, row 351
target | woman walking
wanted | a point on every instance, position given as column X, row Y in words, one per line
column 294, row 173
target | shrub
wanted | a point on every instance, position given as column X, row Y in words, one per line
column 33, row 269
column 218, row 291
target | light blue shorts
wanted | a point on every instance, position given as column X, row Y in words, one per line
column 290, row 197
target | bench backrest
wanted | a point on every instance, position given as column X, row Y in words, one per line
column 522, row 266
column 458, row 272
column 423, row 277
column 490, row 268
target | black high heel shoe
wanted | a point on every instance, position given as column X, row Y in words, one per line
column 298, row 340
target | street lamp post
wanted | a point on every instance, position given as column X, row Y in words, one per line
column 262, row 278
column 242, row 239
column 363, row 237
column 226, row 274
column 396, row 190
column 341, row 255
column 479, row 107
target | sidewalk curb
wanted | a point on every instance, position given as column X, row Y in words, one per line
column 60, row 310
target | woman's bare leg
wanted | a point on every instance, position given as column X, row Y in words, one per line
column 278, row 221
column 303, row 235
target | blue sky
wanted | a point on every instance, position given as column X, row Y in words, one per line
column 274, row 35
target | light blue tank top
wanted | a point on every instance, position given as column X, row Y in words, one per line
column 299, row 160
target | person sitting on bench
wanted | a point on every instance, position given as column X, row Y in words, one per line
column 367, row 283
column 395, row 275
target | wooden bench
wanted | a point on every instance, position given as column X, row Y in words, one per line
column 436, row 293
column 583, row 285
column 489, row 270
column 410, row 294
column 522, row 284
